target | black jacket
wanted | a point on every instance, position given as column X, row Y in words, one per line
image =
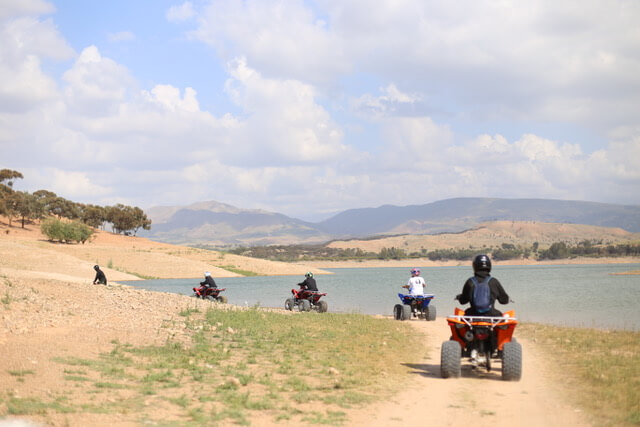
column 208, row 281
column 100, row 277
column 309, row 284
column 497, row 292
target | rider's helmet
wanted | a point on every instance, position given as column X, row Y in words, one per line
column 96, row 267
column 415, row 272
column 308, row 274
column 481, row 263
column 207, row 274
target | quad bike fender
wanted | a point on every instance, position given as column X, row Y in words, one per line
column 502, row 326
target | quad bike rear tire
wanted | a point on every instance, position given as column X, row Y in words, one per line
column 289, row 303
column 397, row 311
column 322, row 306
column 222, row 299
column 430, row 315
column 450, row 359
column 304, row 305
column 406, row 312
column 512, row 361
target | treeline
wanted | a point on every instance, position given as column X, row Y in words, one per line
column 506, row 251
column 561, row 250
column 43, row 204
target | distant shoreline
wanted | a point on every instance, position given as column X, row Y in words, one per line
column 425, row 263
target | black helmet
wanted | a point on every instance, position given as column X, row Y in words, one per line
column 481, row 263
column 96, row 267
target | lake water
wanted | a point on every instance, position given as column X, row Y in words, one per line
column 565, row 295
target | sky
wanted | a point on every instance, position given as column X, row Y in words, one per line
column 309, row 108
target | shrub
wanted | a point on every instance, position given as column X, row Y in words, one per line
column 67, row 232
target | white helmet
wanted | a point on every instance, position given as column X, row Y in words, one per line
column 207, row 274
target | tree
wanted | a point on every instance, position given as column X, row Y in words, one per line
column 63, row 208
column 125, row 219
column 140, row 220
column 7, row 176
column 93, row 215
column 7, row 200
column 28, row 208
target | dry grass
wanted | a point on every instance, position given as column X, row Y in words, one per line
column 603, row 365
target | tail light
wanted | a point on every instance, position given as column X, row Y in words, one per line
column 482, row 334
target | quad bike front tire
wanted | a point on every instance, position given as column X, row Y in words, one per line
column 322, row 306
column 397, row 311
column 222, row 299
column 406, row 312
column 450, row 354
column 512, row 361
column 304, row 305
column 289, row 303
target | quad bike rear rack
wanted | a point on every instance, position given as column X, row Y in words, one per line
column 491, row 321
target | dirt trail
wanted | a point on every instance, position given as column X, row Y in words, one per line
column 477, row 398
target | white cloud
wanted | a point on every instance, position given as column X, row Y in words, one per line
column 184, row 12
column 24, row 42
column 292, row 143
column 391, row 102
column 12, row 8
column 283, row 121
column 283, row 39
column 542, row 61
column 121, row 36
column 96, row 85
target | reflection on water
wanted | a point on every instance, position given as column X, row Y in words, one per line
column 567, row 295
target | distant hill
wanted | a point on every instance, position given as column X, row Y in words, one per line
column 494, row 234
column 460, row 214
column 219, row 224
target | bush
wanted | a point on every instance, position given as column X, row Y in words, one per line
column 67, row 232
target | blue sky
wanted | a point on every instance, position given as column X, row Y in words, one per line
column 312, row 107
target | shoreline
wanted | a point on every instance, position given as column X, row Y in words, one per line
column 426, row 263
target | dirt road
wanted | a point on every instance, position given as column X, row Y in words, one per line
column 477, row 398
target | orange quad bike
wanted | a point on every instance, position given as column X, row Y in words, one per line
column 481, row 339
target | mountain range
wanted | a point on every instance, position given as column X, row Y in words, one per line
column 220, row 225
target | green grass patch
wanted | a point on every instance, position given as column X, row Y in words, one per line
column 601, row 366
column 234, row 269
column 6, row 299
column 188, row 312
column 33, row 406
column 21, row 372
column 242, row 364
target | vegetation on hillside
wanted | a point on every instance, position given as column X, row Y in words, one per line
column 28, row 207
column 66, row 232
column 506, row 251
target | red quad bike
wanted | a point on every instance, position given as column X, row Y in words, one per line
column 306, row 300
column 212, row 294
column 481, row 339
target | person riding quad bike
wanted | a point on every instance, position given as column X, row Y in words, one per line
column 481, row 290
column 309, row 283
column 307, row 297
column 208, row 281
